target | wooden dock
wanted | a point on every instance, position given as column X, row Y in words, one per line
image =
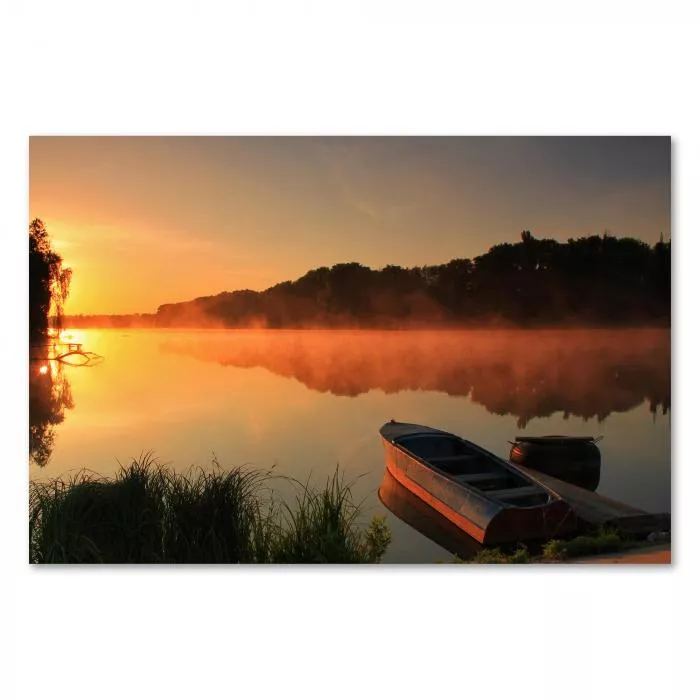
column 595, row 510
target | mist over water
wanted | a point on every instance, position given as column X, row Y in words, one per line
column 307, row 401
column 528, row 374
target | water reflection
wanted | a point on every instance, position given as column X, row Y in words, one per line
column 528, row 374
column 49, row 397
column 421, row 517
column 186, row 409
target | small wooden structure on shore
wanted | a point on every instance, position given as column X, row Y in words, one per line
column 60, row 350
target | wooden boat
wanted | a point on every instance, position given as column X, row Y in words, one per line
column 488, row 498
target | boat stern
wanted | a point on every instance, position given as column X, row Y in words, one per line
column 557, row 519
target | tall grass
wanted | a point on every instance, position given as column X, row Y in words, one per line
column 217, row 516
column 149, row 514
column 322, row 528
column 90, row 519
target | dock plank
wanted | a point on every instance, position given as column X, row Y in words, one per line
column 591, row 507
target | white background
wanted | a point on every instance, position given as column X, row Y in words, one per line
column 347, row 68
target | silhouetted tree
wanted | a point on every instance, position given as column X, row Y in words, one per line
column 49, row 282
column 660, row 277
column 49, row 391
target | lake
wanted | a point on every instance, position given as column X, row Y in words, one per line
column 308, row 401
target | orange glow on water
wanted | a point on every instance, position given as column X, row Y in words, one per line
column 255, row 397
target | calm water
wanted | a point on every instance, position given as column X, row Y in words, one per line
column 307, row 401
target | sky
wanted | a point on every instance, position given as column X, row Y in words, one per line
column 144, row 221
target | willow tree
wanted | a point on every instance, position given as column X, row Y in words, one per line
column 49, row 283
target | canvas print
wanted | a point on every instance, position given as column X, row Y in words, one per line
column 351, row 349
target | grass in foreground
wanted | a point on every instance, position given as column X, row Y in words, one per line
column 149, row 514
column 322, row 529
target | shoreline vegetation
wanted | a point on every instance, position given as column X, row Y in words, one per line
column 148, row 514
column 596, row 281
column 602, row 541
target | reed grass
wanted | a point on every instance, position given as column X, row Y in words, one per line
column 217, row 516
column 150, row 514
column 90, row 519
column 322, row 528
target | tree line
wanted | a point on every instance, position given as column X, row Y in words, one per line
column 594, row 280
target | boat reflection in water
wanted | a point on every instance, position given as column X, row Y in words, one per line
column 421, row 517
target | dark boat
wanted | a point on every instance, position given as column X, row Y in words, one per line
column 575, row 460
column 488, row 498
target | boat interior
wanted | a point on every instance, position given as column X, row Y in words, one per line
column 475, row 469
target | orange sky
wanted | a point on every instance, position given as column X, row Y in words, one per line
column 149, row 220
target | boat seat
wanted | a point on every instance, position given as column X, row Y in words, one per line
column 520, row 492
column 476, row 478
column 453, row 458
